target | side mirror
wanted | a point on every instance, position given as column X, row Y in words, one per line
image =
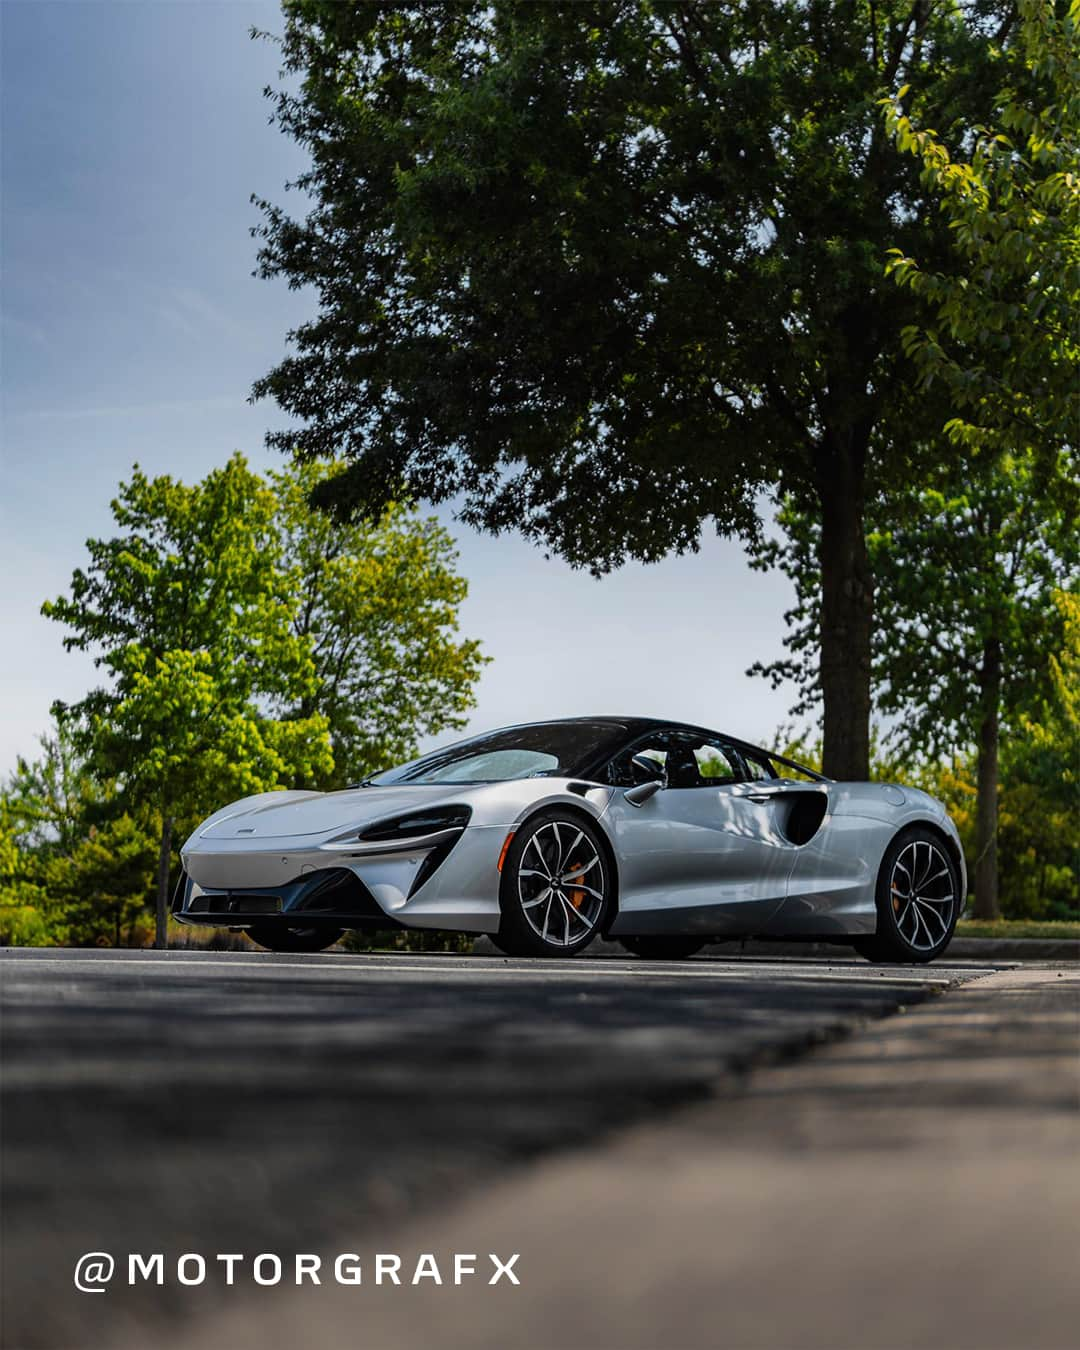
column 638, row 796
column 649, row 777
column 645, row 769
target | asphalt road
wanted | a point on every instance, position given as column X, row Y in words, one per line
column 234, row 1102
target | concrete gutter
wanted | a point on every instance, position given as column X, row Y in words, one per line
column 987, row 951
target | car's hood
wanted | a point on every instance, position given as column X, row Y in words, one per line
column 286, row 814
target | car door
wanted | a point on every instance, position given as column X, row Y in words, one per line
column 704, row 853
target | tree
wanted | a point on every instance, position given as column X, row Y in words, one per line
column 27, row 912
column 101, row 885
column 52, row 797
column 1053, row 727
column 1002, row 333
column 187, row 612
column 1039, row 797
column 967, row 619
column 1047, row 763
column 965, row 583
column 74, row 867
column 1046, row 760
column 378, row 604
column 602, row 272
column 249, row 643
column 966, row 572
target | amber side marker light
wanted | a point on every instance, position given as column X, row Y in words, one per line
column 502, row 852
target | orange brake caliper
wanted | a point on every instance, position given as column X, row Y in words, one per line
column 575, row 896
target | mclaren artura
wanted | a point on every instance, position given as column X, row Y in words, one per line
column 660, row 835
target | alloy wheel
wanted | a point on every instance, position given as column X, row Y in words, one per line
column 560, row 883
column 922, row 894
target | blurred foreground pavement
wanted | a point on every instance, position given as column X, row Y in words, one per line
column 627, row 1127
column 914, row 1186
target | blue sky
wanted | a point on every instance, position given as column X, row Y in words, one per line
column 132, row 137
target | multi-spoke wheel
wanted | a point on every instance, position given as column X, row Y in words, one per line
column 918, row 900
column 555, row 887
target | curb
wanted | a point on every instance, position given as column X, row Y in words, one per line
column 968, row 949
column 965, row 949
column 1017, row 949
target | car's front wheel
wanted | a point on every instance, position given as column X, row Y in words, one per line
column 662, row 947
column 555, row 888
column 293, row 939
column 918, row 900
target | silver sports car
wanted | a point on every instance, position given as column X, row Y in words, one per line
column 661, row 835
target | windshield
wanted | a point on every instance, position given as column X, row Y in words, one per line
column 542, row 749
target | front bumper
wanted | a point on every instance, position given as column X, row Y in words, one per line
column 450, row 883
column 334, row 897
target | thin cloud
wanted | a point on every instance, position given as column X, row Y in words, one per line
column 132, row 409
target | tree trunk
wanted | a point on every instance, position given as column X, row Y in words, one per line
column 986, row 805
column 847, row 611
column 161, row 927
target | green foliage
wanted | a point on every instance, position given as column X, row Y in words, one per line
column 1038, row 853
column 48, row 798
column 958, row 559
column 27, row 917
column 83, row 862
column 601, row 272
column 645, row 240
column 1051, row 730
column 1041, row 819
column 377, row 602
column 1004, row 337
column 966, row 569
column 248, row 643
column 965, row 560
column 1039, row 849
column 101, row 886
column 188, row 612
column 1053, row 930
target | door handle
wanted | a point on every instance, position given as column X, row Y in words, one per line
column 759, row 796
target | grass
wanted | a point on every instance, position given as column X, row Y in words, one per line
column 1019, row 928
column 191, row 937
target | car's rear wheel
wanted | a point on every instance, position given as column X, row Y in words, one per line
column 293, row 939
column 662, row 947
column 918, row 900
column 555, row 889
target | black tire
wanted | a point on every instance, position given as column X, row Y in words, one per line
column 662, row 947
column 277, row 939
column 918, row 900
column 553, row 844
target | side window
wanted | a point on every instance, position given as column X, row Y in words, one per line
column 716, row 764
column 620, row 771
column 689, row 761
column 793, row 772
column 756, row 767
column 695, row 761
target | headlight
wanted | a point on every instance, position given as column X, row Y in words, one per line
column 413, row 825
column 433, row 832
column 431, row 826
